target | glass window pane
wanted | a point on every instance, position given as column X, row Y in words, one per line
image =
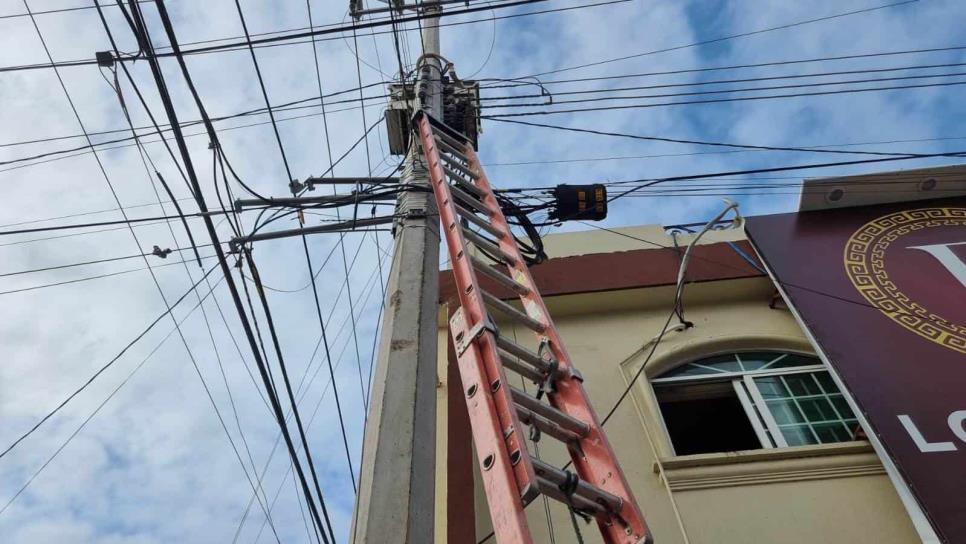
column 750, row 361
column 818, row 409
column 710, row 366
column 842, row 406
column 853, row 426
column 798, row 435
column 785, row 412
column 832, row 432
column 801, row 384
column 688, row 370
column 753, row 360
column 828, row 385
column 804, row 410
column 793, row 360
column 723, row 363
column 771, row 387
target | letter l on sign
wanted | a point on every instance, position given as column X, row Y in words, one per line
column 924, row 445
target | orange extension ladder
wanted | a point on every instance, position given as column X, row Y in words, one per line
column 511, row 476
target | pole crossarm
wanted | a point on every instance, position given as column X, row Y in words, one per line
column 311, row 201
column 343, row 226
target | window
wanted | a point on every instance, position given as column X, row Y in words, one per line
column 752, row 400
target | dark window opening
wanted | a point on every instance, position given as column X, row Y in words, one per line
column 705, row 418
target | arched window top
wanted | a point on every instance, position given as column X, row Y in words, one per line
column 738, row 363
column 752, row 399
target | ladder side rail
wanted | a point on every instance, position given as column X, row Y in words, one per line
column 507, row 446
column 598, row 463
column 507, row 516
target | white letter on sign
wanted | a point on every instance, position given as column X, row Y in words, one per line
column 947, row 258
column 924, row 445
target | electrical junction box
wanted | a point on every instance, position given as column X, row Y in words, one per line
column 588, row 202
column 461, row 112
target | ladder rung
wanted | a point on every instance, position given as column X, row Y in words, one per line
column 523, row 354
column 479, row 221
column 456, row 152
column 446, row 138
column 526, row 371
column 464, row 184
column 545, row 425
column 453, row 165
column 565, row 421
column 499, row 277
column 551, row 490
column 584, row 490
column 489, row 247
column 511, row 311
column 464, row 197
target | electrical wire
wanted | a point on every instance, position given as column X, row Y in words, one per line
column 296, row 38
column 355, row 338
column 700, row 69
column 726, row 38
column 341, row 245
column 59, row 10
column 87, row 263
column 557, row 93
column 556, row 102
column 127, row 221
column 172, row 116
column 698, row 142
column 721, row 100
column 666, row 155
column 134, row 236
column 306, row 387
column 644, row 183
column 104, row 367
column 288, row 390
column 145, row 158
column 100, row 406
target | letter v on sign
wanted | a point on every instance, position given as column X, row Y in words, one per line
column 944, row 254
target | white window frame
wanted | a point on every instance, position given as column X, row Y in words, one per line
column 756, row 409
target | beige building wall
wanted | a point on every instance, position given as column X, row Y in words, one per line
column 834, row 493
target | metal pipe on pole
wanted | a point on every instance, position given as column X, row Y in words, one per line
column 396, row 499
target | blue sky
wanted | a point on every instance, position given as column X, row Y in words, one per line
column 154, row 465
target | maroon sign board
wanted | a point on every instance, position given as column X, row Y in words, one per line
column 882, row 291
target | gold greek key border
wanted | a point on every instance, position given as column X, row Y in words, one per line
column 864, row 258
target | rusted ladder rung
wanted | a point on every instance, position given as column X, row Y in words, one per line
column 566, row 421
column 511, row 311
column 483, row 267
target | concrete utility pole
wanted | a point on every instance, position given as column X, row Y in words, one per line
column 397, row 483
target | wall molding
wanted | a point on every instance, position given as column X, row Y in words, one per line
column 780, row 465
